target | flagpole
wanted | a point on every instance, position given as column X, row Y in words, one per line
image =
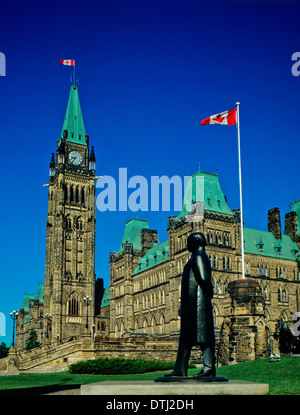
column 241, row 199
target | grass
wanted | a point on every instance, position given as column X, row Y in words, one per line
column 283, row 377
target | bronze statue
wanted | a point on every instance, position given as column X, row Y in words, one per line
column 197, row 326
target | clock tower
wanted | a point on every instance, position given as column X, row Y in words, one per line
column 70, row 238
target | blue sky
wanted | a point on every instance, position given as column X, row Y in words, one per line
column 149, row 71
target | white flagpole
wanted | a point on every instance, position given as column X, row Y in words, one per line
column 241, row 199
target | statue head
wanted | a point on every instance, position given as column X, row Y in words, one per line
column 195, row 241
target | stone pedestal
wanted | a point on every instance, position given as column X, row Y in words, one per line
column 244, row 335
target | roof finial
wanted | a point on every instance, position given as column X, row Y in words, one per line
column 199, row 166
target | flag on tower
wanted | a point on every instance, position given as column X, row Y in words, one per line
column 68, row 62
column 223, row 118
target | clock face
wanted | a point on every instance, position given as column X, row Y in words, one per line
column 75, row 158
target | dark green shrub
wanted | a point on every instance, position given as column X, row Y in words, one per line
column 119, row 366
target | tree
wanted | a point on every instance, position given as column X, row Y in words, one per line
column 32, row 340
column 3, row 350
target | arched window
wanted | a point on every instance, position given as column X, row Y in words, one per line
column 71, row 194
column 220, row 287
column 215, row 262
column 284, row 295
column 73, row 305
column 80, row 224
column 267, row 293
column 279, row 294
column 82, row 196
column 77, row 195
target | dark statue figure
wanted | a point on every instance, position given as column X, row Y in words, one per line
column 196, row 326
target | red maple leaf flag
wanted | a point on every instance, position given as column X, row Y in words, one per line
column 68, row 62
column 223, row 118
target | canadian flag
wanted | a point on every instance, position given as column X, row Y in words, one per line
column 69, row 62
column 223, row 118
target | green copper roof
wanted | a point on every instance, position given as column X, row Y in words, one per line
column 106, row 298
column 73, row 122
column 154, row 256
column 203, row 186
column 296, row 208
column 26, row 299
column 40, row 292
column 265, row 244
column 133, row 232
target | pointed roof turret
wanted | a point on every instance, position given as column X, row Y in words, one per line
column 73, row 122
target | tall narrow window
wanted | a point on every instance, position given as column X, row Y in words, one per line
column 82, row 196
column 71, row 194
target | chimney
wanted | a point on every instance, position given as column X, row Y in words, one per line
column 148, row 238
column 291, row 225
column 274, row 224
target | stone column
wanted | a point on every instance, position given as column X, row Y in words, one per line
column 244, row 308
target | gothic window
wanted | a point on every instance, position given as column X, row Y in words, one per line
column 215, row 262
column 103, row 326
column 279, row 294
column 284, row 296
column 224, row 263
column 77, row 195
column 73, row 305
column 228, row 263
column 220, row 287
column 247, row 269
column 71, row 194
column 68, row 222
column 82, row 196
column 80, row 224
column 267, row 294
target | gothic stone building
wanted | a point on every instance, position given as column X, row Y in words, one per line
column 65, row 303
column 143, row 298
column 145, row 276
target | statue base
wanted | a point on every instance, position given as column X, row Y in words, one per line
column 191, row 379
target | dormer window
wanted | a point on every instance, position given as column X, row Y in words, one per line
column 261, row 248
column 278, row 250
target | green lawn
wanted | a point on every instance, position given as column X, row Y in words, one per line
column 282, row 377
